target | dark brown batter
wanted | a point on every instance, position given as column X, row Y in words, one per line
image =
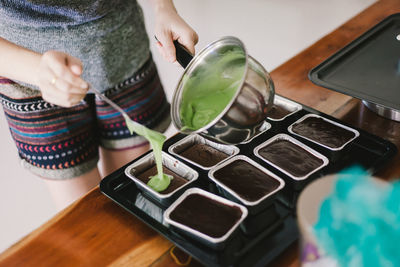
column 204, row 155
column 277, row 112
column 323, row 132
column 247, row 181
column 290, row 157
column 175, row 183
column 206, row 215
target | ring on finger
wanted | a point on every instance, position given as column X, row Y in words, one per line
column 53, row 81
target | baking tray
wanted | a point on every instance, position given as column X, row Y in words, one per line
column 243, row 250
column 258, row 249
column 368, row 68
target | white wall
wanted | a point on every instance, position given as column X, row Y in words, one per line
column 272, row 30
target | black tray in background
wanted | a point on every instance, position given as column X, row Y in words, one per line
column 368, row 150
column 368, row 68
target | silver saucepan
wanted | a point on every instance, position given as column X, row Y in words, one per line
column 242, row 118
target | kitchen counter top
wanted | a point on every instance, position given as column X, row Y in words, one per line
column 94, row 231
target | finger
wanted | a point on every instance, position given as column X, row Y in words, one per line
column 161, row 50
column 59, row 98
column 68, row 88
column 75, row 65
column 189, row 40
column 167, row 45
column 53, row 94
column 50, row 79
column 57, row 62
column 68, row 98
column 60, row 103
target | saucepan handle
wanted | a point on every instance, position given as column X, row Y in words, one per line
column 183, row 56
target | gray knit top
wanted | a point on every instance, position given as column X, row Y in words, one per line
column 109, row 37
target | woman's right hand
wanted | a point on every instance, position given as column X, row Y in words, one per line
column 58, row 77
column 169, row 27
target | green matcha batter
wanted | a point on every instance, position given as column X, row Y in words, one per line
column 210, row 88
column 161, row 181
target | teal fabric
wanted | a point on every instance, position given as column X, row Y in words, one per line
column 359, row 223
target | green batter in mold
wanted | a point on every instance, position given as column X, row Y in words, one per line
column 161, row 181
column 210, row 88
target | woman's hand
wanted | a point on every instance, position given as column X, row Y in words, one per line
column 58, row 77
column 169, row 27
column 55, row 73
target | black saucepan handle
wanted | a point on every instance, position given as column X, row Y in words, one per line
column 183, row 56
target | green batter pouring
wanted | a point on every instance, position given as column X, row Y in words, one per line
column 161, row 181
column 210, row 88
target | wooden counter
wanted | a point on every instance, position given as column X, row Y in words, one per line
column 94, row 231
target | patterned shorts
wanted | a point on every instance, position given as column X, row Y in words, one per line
column 60, row 143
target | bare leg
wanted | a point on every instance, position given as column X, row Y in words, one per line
column 111, row 160
column 64, row 192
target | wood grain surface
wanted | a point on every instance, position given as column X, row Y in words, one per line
column 94, row 231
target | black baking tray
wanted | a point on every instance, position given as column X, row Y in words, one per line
column 258, row 249
column 368, row 68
